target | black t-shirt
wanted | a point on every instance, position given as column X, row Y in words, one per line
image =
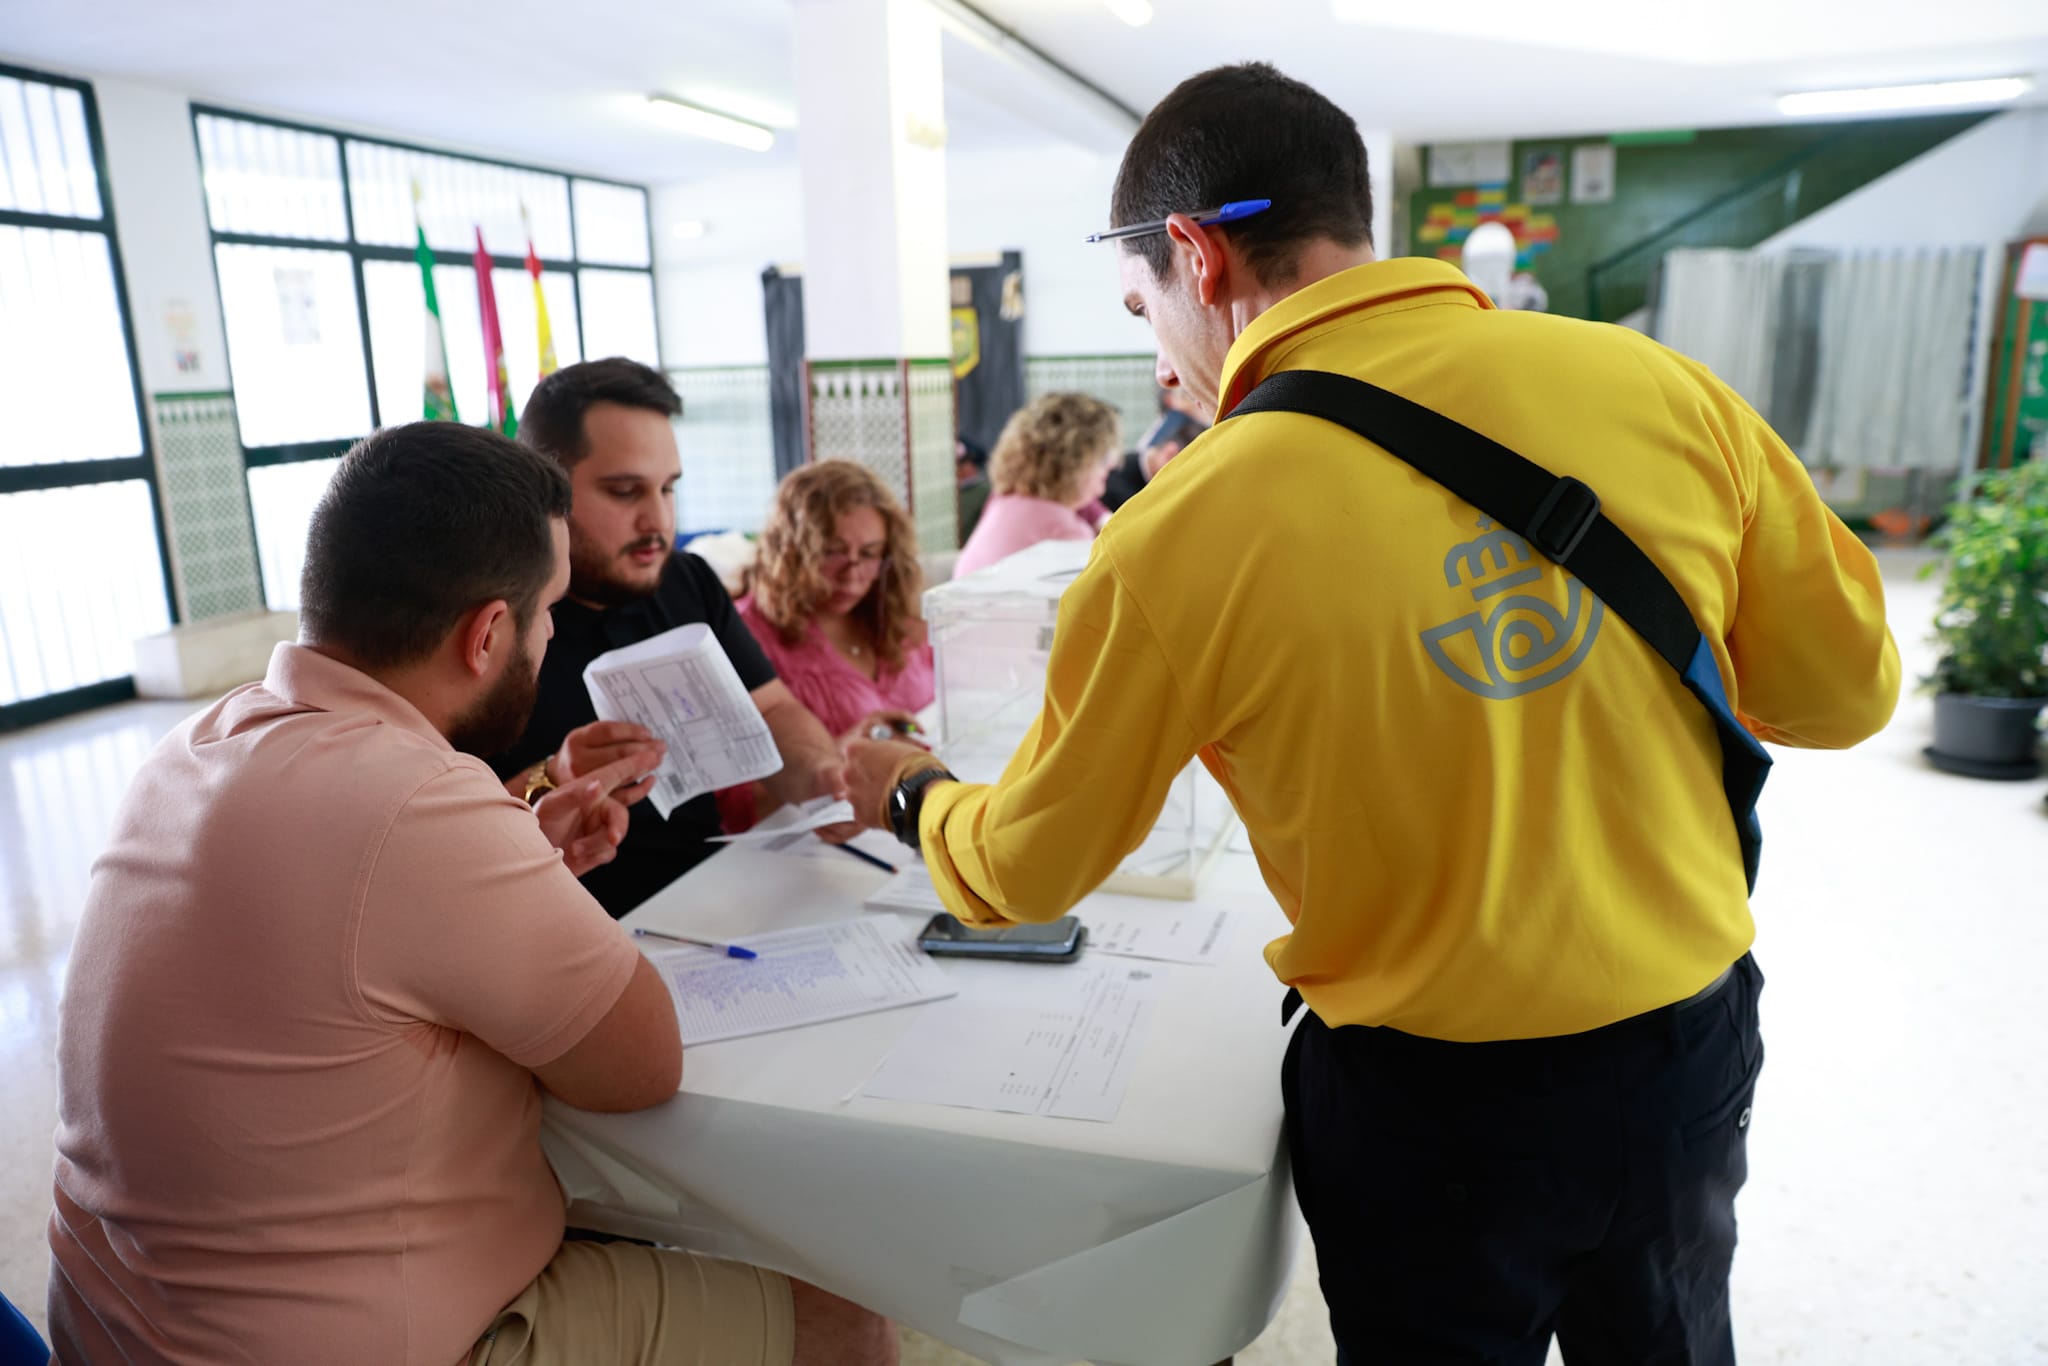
column 1124, row 481
column 655, row 852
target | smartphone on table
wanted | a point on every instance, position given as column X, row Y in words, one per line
column 1057, row 942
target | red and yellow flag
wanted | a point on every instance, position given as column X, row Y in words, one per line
column 540, row 300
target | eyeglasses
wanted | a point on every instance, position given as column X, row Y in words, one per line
column 1204, row 218
column 839, row 562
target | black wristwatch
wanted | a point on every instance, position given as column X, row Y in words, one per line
column 908, row 800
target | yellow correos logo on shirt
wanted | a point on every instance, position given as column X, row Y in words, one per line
column 1511, row 643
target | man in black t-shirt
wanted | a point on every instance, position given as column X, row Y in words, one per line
column 609, row 423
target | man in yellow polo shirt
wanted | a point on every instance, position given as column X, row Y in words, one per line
column 1493, row 813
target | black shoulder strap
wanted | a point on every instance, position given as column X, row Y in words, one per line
column 1561, row 518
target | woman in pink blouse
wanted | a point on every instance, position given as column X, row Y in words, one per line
column 1049, row 469
column 834, row 599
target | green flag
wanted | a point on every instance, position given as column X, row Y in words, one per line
column 439, row 405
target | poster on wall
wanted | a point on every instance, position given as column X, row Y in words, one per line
column 1542, row 176
column 1593, row 173
column 1468, row 163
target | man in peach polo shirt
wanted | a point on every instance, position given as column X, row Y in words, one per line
column 323, row 963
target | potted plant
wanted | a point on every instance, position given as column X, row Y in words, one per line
column 1992, row 679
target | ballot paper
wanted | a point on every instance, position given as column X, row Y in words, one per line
column 909, row 890
column 1027, row 1039
column 1122, row 926
column 798, row 977
column 792, row 820
column 681, row 686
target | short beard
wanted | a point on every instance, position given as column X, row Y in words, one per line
column 592, row 579
column 499, row 717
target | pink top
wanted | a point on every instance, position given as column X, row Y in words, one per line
column 1016, row 521
column 838, row 694
column 296, row 1120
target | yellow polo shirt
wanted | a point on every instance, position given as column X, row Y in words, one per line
column 1488, row 808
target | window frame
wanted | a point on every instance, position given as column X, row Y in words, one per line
column 361, row 253
column 109, row 470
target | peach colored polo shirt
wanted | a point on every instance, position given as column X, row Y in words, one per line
column 295, row 1116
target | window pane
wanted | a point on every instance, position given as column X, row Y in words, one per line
column 618, row 314
column 281, row 501
column 457, row 196
column 80, row 580
column 65, row 386
column 46, row 161
column 272, row 181
column 398, row 318
column 295, row 345
column 516, row 325
column 611, row 224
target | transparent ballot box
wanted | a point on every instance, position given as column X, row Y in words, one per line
column 991, row 636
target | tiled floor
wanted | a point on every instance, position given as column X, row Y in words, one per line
column 1897, row 1213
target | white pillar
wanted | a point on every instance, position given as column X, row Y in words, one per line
column 871, row 134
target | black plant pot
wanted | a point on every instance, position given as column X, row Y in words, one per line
column 1986, row 737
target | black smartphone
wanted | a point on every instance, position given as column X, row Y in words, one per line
column 1057, row 942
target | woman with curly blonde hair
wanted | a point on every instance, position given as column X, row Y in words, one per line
column 1050, row 466
column 834, row 599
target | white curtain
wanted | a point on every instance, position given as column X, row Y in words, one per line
column 1894, row 360
column 1860, row 359
column 1720, row 307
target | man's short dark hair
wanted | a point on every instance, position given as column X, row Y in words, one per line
column 421, row 524
column 553, row 420
column 1247, row 132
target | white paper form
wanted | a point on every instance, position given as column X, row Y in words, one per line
column 1165, row 932
column 800, row 977
column 681, row 686
column 1027, row 1039
column 790, row 821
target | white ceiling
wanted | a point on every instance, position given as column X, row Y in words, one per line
column 518, row 78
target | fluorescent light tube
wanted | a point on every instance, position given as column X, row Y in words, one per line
column 1931, row 95
column 709, row 123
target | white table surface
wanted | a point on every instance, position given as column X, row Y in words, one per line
column 1164, row 1238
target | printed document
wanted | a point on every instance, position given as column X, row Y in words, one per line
column 681, row 686
column 804, row 976
column 1057, row 1041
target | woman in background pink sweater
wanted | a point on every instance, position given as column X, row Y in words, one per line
column 834, row 599
column 1049, row 469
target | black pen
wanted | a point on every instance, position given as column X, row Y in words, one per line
column 865, row 857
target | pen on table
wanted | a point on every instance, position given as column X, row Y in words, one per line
column 729, row 950
column 865, row 857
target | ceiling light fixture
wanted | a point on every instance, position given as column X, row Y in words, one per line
column 687, row 229
column 1136, row 13
column 709, row 123
column 1929, row 95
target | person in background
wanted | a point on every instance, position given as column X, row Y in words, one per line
column 834, row 600
column 609, row 423
column 970, row 470
column 1165, row 439
column 327, row 966
column 1050, row 467
column 1493, row 813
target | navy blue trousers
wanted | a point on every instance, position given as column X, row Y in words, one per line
column 1470, row 1201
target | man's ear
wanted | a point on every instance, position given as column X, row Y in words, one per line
column 1204, row 255
column 482, row 633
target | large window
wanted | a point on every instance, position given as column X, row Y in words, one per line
column 82, row 567
column 314, row 234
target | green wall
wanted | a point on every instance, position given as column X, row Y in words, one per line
column 1769, row 177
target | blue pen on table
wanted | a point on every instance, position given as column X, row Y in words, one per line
column 865, row 857
column 729, row 950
